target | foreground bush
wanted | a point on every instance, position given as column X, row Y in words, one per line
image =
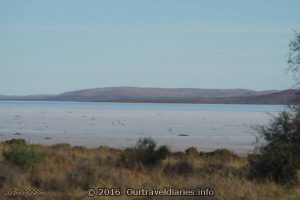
column 279, row 158
column 145, row 153
column 23, row 155
column 192, row 151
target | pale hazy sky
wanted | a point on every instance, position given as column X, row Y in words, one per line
column 55, row 46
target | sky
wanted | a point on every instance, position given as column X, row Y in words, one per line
column 49, row 47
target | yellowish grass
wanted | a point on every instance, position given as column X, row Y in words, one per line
column 67, row 171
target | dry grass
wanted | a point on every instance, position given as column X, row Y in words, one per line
column 67, row 171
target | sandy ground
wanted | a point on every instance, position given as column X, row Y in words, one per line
column 206, row 130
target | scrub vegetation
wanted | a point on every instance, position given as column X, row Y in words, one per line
column 66, row 172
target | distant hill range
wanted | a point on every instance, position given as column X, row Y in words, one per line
column 166, row 95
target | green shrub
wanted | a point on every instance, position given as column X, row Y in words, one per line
column 23, row 155
column 279, row 158
column 145, row 153
column 161, row 153
column 192, row 151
